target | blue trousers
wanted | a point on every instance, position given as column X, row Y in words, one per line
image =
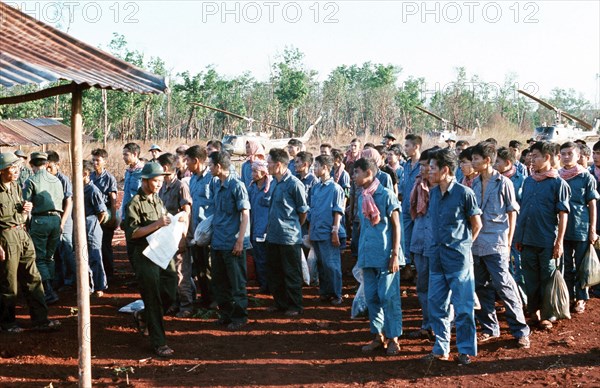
column 382, row 293
column 422, row 266
column 516, row 271
column 329, row 265
column 538, row 267
column 407, row 229
column 574, row 253
column 459, row 289
column 66, row 268
column 259, row 252
column 492, row 276
column 94, row 241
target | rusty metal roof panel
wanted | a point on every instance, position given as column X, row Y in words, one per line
column 10, row 138
column 32, row 134
column 52, row 127
column 33, row 52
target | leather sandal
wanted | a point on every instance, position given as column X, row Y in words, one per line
column 377, row 343
column 164, row 351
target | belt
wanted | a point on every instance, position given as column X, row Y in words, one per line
column 49, row 213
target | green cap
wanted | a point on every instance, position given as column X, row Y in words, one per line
column 155, row 147
column 389, row 136
column 8, row 159
column 39, row 155
column 21, row 154
column 152, row 170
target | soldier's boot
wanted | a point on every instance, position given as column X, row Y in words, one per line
column 49, row 294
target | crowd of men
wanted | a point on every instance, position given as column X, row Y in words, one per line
column 475, row 224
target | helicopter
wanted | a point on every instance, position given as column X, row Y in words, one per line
column 238, row 142
column 445, row 133
column 560, row 132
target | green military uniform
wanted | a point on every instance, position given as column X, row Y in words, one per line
column 24, row 174
column 46, row 193
column 18, row 270
column 158, row 287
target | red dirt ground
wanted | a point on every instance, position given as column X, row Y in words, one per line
column 320, row 348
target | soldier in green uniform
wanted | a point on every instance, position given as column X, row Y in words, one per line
column 17, row 255
column 46, row 193
column 144, row 215
column 24, row 171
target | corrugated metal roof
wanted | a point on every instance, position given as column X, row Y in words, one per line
column 34, row 132
column 33, row 52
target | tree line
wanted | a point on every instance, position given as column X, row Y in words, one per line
column 355, row 100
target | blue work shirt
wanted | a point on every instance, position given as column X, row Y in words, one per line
column 68, row 190
column 537, row 224
column 499, row 199
column 400, row 177
column 259, row 203
column 518, row 180
column 288, row 200
column 421, row 234
column 230, row 199
column 202, row 201
column 385, row 179
column 309, row 180
column 521, row 168
column 292, row 167
column 133, row 182
column 343, row 181
column 451, row 227
column 327, row 199
column 458, row 175
column 93, row 200
column 583, row 190
column 408, row 181
column 247, row 173
column 107, row 184
column 591, row 169
column 375, row 242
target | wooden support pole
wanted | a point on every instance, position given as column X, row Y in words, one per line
column 80, row 243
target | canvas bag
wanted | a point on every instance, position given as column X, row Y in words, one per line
column 556, row 301
column 589, row 271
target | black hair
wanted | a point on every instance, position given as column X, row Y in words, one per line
column 181, row 149
column 525, row 152
column 492, row 140
column 368, row 145
column 569, row 144
column 216, row 144
column 484, row 149
column 505, row 154
column 445, row 158
column 415, row 139
column 467, row 153
column 134, row 148
column 356, row 139
column 100, row 152
column 305, row 157
column 426, row 155
column 381, row 149
column 462, row 143
column 596, row 146
column 544, row 147
column 337, row 154
column 196, row 152
column 279, row 155
column 515, row 144
column 221, row 158
column 325, row 160
column 326, row 145
column 366, row 164
column 53, row 156
column 585, row 150
column 295, row 143
column 167, row 159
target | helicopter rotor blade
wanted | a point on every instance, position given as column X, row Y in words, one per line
column 581, row 122
column 248, row 119
column 541, row 102
column 429, row 113
column 456, row 125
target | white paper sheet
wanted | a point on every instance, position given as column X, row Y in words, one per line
column 163, row 244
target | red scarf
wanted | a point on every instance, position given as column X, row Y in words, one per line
column 540, row 176
column 369, row 209
column 338, row 173
column 419, row 198
column 510, row 173
column 469, row 181
column 351, row 158
column 572, row 172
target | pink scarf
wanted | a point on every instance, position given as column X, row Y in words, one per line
column 469, row 181
column 572, row 172
column 540, row 176
column 394, row 166
column 261, row 165
column 257, row 151
column 419, row 198
column 351, row 158
column 369, row 209
column 338, row 173
column 510, row 173
column 372, row 154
